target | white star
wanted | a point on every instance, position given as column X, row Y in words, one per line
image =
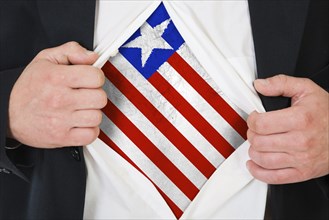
column 149, row 40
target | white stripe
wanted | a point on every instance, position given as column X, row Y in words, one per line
column 201, row 105
column 144, row 163
column 154, row 135
column 185, row 52
column 172, row 115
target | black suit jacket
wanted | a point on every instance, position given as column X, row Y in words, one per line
column 290, row 37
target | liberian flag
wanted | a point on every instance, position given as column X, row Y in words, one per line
column 165, row 115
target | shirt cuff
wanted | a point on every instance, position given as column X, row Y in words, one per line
column 12, row 144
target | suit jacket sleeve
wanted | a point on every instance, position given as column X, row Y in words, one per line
column 8, row 79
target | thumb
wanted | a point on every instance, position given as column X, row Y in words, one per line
column 281, row 85
column 68, row 53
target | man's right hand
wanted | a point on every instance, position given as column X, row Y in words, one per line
column 58, row 98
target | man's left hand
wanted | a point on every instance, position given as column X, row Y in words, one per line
column 290, row 145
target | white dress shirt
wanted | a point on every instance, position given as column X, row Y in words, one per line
column 219, row 35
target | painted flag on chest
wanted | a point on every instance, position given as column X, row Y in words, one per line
column 165, row 115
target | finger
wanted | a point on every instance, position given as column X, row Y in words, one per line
column 82, row 76
column 86, row 118
column 282, row 85
column 285, row 142
column 74, row 76
column 278, row 121
column 68, row 53
column 271, row 160
column 84, row 99
column 275, row 176
column 82, row 136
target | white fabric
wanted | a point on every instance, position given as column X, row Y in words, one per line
column 219, row 34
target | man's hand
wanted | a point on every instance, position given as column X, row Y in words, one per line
column 57, row 99
column 290, row 145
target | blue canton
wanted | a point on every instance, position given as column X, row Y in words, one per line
column 157, row 56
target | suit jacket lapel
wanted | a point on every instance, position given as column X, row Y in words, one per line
column 277, row 28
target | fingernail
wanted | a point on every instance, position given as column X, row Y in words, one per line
column 89, row 53
column 262, row 81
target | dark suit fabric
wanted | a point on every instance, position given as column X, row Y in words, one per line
column 56, row 178
column 290, row 37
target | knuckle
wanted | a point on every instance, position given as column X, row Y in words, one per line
column 277, row 178
column 250, row 136
column 90, row 136
column 258, row 142
column 251, row 120
column 85, row 136
column 56, row 130
column 261, row 160
column 56, row 78
column 103, row 98
column 282, row 78
column 307, row 81
column 260, row 124
column 72, row 79
column 305, row 119
column 251, row 153
column 268, row 162
column 96, row 118
column 44, row 53
column 55, row 101
column 265, row 162
column 257, row 122
column 280, row 177
column 101, row 77
column 98, row 98
column 275, row 160
column 71, row 45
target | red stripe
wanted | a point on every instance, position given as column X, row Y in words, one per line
column 150, row 150
column 159, row 121
column 177, row 212
column 191, row 114
column 210, row 95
